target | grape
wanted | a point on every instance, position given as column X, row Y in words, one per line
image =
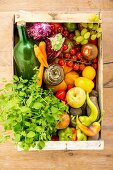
column 90, row 25
column 84, row 42
column 94, row 18
column 99, row 29
column 87, row 35
column 98, row 35
column 77, row 33
column 92, row 32
column 95, row 27
column 93, row 37
column 84, row 25
column 79, row 39
column 83, row 31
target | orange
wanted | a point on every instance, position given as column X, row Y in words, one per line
column 61, row 86
column 89, row 72
column 70, row 77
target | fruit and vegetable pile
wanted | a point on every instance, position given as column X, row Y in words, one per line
column 60, row 101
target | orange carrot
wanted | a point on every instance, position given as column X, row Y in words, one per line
column 42, row 46
column 40, row 75
column 40, row 56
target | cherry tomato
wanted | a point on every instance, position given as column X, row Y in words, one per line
column 81, row 67
column 69, row 86
column 73, row 51
column 77, row 48
column 65, row 47
column 95, row 60
column 75, row 66
column 95, row 66
column 69, row 63
column 65, row 33
column 67, row 55
column 71, row 35
column 61, row 62
column 73, row 58
column 79, row 55
column 60, row 30
column 61, row 94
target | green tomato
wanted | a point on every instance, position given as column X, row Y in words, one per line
column 70, row 26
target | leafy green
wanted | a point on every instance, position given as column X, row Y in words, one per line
column 30, row 112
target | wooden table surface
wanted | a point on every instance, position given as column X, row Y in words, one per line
column 62, row 160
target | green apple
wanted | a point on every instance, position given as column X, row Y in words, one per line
column 76, row 97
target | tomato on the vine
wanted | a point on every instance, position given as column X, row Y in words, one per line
column 75, row 66
column 69, row 63
column 67, row 55
column 73, row 58
column 73, row 51
column 61, row 62
column 79, row 55
column 81, row 67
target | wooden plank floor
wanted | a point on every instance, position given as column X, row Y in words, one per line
column 10, row 159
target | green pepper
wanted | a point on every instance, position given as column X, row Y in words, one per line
column 68, row 134
column 87, row 120
column 80, row 135
column 70, row 26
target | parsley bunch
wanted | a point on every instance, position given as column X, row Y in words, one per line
column 30, row 112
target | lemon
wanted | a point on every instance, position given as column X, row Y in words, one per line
column 89, row 72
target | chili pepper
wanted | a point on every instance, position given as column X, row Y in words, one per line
column 68, row 134
column 91, row 130
column 40, row 56
column 87, row 120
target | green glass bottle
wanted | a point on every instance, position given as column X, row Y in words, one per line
column 24, row 55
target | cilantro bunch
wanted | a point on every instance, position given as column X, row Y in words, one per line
column 30, row 112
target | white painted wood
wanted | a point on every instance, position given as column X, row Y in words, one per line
column 54, row 17
column 71, row 145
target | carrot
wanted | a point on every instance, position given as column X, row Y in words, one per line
column 40, row 75
column 40, row 56
column 42, row 46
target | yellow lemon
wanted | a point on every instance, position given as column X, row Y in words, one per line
column 89, row 72
column 84, row 83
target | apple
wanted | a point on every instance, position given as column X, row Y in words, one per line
column 76, row 97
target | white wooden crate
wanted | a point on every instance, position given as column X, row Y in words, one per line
column 76, row 17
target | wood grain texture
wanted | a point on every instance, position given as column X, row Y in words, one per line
column 10, row 159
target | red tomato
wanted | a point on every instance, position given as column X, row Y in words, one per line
column 69, row 63
column 61, row 94
column 77, row 48
column 79, row 55
column 95, row 66
column 61, row 62
column 75, row 66
column 73, row 58
column 95, row 60
column 65, row 47
column 69, row 86
column 67, row 55
column 81, row 67
column 65, row 33
column 73, row 51
column 71, row 35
